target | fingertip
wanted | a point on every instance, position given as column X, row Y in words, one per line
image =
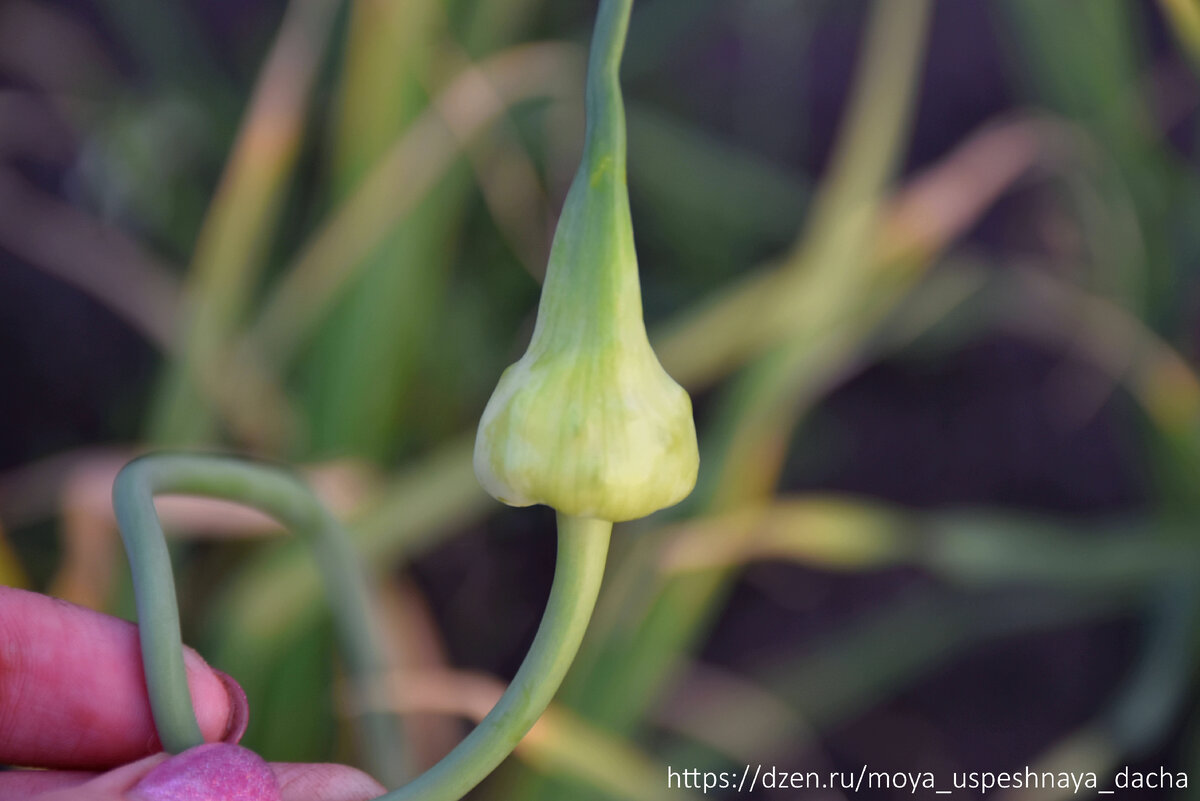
column 210, row 772
column 239, row 709
column 74, row 692
column 222, row 710
column 325, row 782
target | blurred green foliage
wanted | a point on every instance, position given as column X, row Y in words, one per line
column 362, row 194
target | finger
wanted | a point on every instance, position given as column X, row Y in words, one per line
column 297, row 782
column 301, row 782
column 72, row 691
column 18, row 785
column 65, row 785
column 219, row 772
column 209, row 772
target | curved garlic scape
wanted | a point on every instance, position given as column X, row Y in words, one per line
column 587, row 421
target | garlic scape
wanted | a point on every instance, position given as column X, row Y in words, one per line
column 588, row 421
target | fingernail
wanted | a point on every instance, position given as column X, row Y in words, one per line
column 211, row 772
column 239, row 709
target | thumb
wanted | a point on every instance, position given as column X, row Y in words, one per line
column 111, row 786
column 218, row 772
column 211, row 772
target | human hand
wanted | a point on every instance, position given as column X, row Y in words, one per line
column 73, row 701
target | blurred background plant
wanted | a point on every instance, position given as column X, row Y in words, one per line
column 929, row 270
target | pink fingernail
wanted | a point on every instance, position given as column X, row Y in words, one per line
column 239, row 708
column 211, row 772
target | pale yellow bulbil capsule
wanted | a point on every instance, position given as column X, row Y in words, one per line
column 587, row 421
column 594, row 430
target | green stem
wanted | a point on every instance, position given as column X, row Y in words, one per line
column 582, row 552
column 591, row 293
column 604, row 106
column 283, row 497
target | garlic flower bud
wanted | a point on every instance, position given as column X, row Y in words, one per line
column 587, row 421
